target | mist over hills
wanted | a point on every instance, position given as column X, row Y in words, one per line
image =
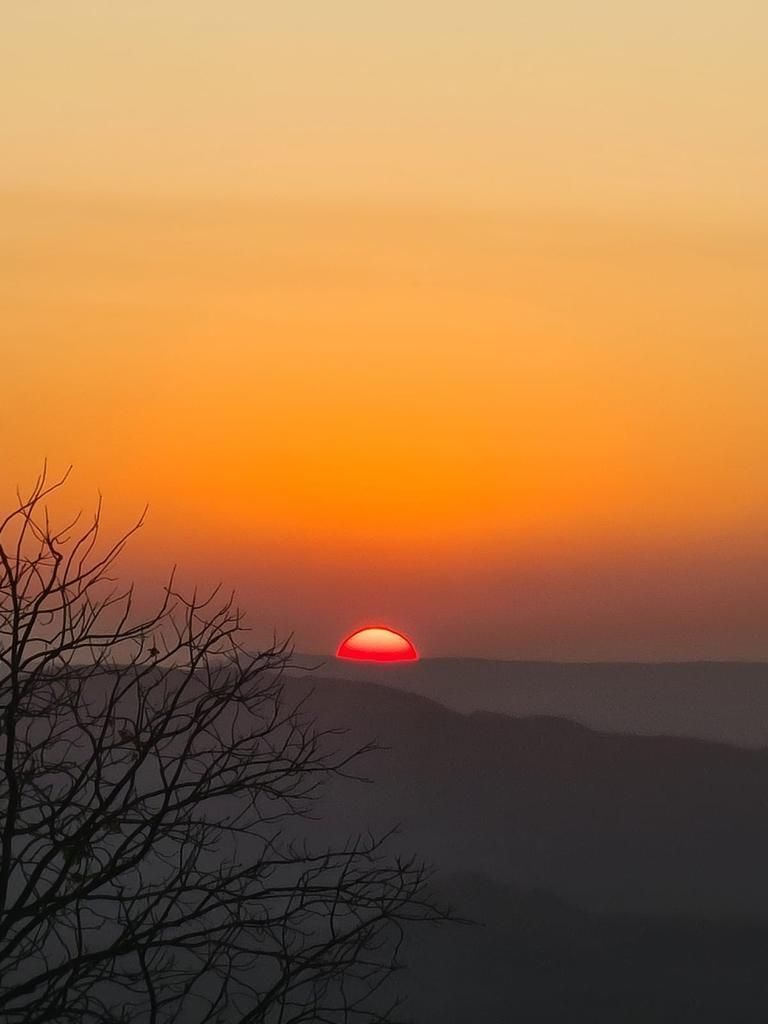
column 536, row 959
column 615, row 823
column 612, row 877
column 722, row 701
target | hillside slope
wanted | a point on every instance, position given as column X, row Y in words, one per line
column 648, row 825
column 722, row 701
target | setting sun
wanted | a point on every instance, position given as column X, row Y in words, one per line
column 377, row 643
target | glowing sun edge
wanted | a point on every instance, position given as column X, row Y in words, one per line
column 393, row 646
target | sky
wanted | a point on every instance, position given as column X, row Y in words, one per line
column 449, row 316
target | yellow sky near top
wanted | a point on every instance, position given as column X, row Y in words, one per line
column 487, row 102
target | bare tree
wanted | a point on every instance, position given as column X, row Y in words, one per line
column 156, row 851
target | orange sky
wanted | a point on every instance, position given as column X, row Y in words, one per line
column 463, row 327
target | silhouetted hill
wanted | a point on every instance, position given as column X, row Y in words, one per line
column 539, row 961
column 647, row 825
column 724, row 701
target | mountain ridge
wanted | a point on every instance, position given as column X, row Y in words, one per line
column 649, row 825
column 720, row 701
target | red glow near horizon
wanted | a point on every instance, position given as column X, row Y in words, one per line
column 377, row 643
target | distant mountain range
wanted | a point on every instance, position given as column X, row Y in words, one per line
column 612, row 823
column 614, row 878
column 722, row 701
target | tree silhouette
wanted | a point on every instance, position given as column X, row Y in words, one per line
column 157, row 792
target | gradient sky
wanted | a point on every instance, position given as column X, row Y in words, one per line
column 449, row 315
